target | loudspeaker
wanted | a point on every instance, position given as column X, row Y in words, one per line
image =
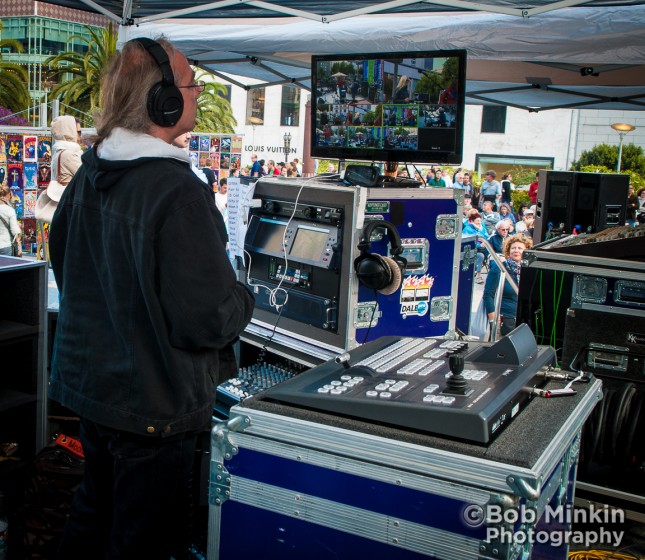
column 165, row 103
column 611, row 201
column 589, row 202
column 556, row 190
column 377, row 272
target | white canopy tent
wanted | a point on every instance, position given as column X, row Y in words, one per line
column 537, row 55
column 574, row 57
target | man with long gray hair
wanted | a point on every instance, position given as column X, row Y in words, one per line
column 149, row 308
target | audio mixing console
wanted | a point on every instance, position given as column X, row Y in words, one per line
column 462, row 390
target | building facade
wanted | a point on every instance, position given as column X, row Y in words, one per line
column 43, row 30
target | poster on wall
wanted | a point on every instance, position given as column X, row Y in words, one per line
column 30, row 152
column 29, row 202
column 14, row 148
column 44, row 149
column 236, row 144
column 30, row 175
column 14, row 175
column 44, row 174
column 193, row 144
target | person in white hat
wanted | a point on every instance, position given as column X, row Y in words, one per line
column 66, row 160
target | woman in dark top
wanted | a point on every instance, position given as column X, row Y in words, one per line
column 514, row 247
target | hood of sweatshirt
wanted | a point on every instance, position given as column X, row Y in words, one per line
column 106, row 163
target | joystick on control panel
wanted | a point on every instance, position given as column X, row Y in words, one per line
column 456, row 383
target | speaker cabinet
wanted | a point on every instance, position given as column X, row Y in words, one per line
column 555, row 201
column 588, row 202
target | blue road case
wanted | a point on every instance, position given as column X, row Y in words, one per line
column 302, row 244
column 290, row 483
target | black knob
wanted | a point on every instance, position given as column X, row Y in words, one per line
column 272, row 207
column 308, row 212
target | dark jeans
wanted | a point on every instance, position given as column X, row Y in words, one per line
column 508, row 325
column 135, row 500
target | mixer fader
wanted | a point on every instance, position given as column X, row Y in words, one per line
column 462, row 390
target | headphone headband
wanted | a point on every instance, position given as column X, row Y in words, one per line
column 395, row 239
column 161, row 58
column 165, row 103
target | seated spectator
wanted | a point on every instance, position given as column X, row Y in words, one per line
column 505, row 212
column 489, row 217
column 502, row 230
column 520, row 211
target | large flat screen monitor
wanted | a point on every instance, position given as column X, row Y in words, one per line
column 406, row 106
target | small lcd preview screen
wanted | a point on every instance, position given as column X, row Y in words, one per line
column 309, row 243
column 384, row 106
column 269, row 235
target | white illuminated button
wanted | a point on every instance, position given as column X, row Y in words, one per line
column 385, row 395
column 348, row 384
column 328, row 386
column 382, row 387
column 324, row 390
column 345, row 377
column 398, row 386
column 336, row 382
column 338, row 391
column 438, row 399
column 358, row 379
column 447, row 401
column 371, row 393
column 429, row 398
column 390, row 381
column 430, row 388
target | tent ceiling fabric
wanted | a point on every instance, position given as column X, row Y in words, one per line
column 538, row 55
column 575, row 57
column 325, row 11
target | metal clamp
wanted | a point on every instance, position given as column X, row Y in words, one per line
column 219, row 489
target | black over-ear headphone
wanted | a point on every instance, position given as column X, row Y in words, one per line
column 165, row 103
column 377, row 272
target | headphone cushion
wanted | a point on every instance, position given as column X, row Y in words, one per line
column 165, row 104
column 373, row 272
column 395, row 278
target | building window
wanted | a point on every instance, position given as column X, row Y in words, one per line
column 290, row 111
column 494, row 119
column 255, row 106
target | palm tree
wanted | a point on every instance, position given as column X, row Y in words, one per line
column 83, row 91
column 214, row 113
column 14, row 93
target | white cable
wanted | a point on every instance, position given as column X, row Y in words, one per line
column 273, row 302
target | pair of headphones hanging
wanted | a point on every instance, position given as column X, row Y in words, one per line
column 378, row 272
column 165, row 103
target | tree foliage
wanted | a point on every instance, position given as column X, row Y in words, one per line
column 14, row 93
column 83, row 90
column 214, row 113
column 605, row 155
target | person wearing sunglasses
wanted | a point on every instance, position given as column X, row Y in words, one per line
column 502, row 230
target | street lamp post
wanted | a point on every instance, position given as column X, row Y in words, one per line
column 287, row 146
column 622, row 129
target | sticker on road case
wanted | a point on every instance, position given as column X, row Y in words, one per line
column 415, row 295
